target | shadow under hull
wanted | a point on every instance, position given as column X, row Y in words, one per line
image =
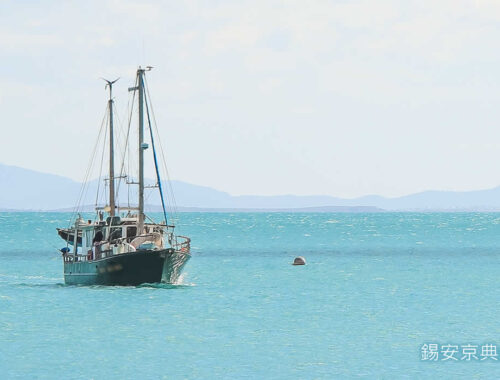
column 128, row 269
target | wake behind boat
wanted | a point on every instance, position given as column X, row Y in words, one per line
column 122, row 245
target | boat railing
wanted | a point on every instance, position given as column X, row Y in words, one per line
column 181, row 243
column 178, row 242
column 136, row 241
column 71, row 257
column 129, row 239
column 91, row 255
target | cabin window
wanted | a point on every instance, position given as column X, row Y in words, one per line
column 88, row 238
column 131, row 231
column 98, row 235
column 116, row 233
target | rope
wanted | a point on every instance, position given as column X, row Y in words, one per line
column 84, row 187
column 102, row 164
column 173, row 208
column 155, row 160
column 122, row 172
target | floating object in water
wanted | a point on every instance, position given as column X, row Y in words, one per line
column 299, row 261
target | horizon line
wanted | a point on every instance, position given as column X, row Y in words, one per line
column 276, row 195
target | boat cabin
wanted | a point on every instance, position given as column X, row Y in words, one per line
column 114, row 236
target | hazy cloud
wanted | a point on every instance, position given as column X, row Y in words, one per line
column 333, row 97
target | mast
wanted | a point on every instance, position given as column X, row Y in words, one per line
column 111, row 150
column 140, row 74
column 142, row 146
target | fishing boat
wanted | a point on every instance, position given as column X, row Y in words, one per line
column 122, row 245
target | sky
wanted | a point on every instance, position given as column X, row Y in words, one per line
column 342, row 98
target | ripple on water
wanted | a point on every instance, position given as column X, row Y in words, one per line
column 365, row 303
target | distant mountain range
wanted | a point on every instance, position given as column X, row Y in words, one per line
column 24, row 189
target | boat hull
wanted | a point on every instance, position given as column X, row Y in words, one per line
column 128, row 269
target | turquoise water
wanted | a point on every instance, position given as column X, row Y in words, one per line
column 376, row 288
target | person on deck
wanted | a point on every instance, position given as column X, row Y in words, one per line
column 96, row 242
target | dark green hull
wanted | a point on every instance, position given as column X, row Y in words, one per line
column 128, row 269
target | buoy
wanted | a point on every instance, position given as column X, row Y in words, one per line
column 299, row 261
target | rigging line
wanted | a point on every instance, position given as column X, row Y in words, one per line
column 121, row 147
column 122, row 139
column 102, row 158
column 173, row 208
column 154, row 222
column 173, row 203
column 102, row 164
column 165, row 167
column 155, row 159
column 122, row 173
column 118, row 143
column 103, row 129
column 131, row 107
column 126, row 152
column 129, row 160
column 87, row 172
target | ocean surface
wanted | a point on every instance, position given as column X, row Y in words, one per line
column 375, row 289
